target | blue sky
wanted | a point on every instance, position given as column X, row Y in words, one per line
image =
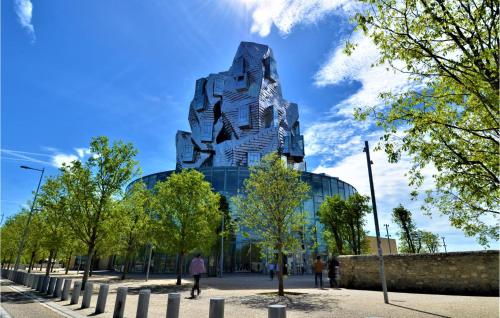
column 72, row 70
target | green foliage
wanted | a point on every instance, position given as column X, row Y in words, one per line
column 430, row 241
column 134, row 211
column 269, row 208
column 188, row 214
column 403, row 218
column 449, row 118
column 90, row 188
column 344, row 221
column 11, row 233
column 57, row 234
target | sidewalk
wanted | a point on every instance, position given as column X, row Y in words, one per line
column 247, row 295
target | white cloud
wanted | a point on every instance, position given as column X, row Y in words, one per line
column 82, row 152
column 59, row 159
column 360, row 66
column 285, row 14
column 24, row 11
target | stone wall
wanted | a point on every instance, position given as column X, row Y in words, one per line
column 466, row 273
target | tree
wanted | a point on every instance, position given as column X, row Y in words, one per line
column 344, row 221
column 11, row 236
column 135, row 225
column 90, row 188
column 430, row 241
column 53, row 202
column 331, row 215
column 188, row 214
column 33, row 245
column 269, row 208
column 357, row 209
column 402, row 217
column 449, row 117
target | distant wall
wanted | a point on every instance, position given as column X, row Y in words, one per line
column 466, row 273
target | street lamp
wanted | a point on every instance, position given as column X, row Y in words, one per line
column 26, row 227
column 369, row 163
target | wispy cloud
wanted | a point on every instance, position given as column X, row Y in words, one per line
column 361, row 66
column 16, row 155
column 24, row 11
column 286, row 14
column 55, row 158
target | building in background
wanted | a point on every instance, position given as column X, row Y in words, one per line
column 388, row 246
column 237, row 117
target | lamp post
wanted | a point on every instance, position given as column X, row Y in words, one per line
column 26, row 227
column 375, row 216
column 222, row 246
column 388, row 237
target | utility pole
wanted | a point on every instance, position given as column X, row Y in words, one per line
column 444, row 244
column 375, row 216
column 26, row 227
column 388, row 237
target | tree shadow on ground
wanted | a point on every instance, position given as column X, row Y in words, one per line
column 160, row 289
column 293, row 301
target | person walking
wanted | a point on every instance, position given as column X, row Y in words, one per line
column 318, row 272
column 332, row 271
column 271, row 270
column 196, row 268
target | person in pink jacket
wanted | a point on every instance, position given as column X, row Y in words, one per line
column 196, row 268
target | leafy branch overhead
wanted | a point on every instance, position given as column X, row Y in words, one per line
column 448, row 120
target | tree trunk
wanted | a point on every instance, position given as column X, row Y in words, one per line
column 90, row 253
column 33, row 253
column 126, row 266
column 10, row 261
column 338, row 240
column 67, row 263
column 51, row 255
column 53, row 262
column 180, row 264
column 280, row 273
column 94, row 258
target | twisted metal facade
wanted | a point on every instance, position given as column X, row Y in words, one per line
column 238, row 116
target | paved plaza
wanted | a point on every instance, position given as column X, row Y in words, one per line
column 248, row 295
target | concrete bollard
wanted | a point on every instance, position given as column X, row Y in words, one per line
column 34, row 282
column 58, row 288
column 143, row 304
column 216, row 308
column 77, row 288
column 29, row 280
column 276, row 311
column 87, row 295
column 40, row 283
column 45, row 284
column 173, row 304
column 65, row 291
column 121, row 297
column 101, row 298
column 52, row 284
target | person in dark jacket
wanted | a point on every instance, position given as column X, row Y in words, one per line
column 332, row 271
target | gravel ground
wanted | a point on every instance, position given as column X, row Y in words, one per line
column 248, row 295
